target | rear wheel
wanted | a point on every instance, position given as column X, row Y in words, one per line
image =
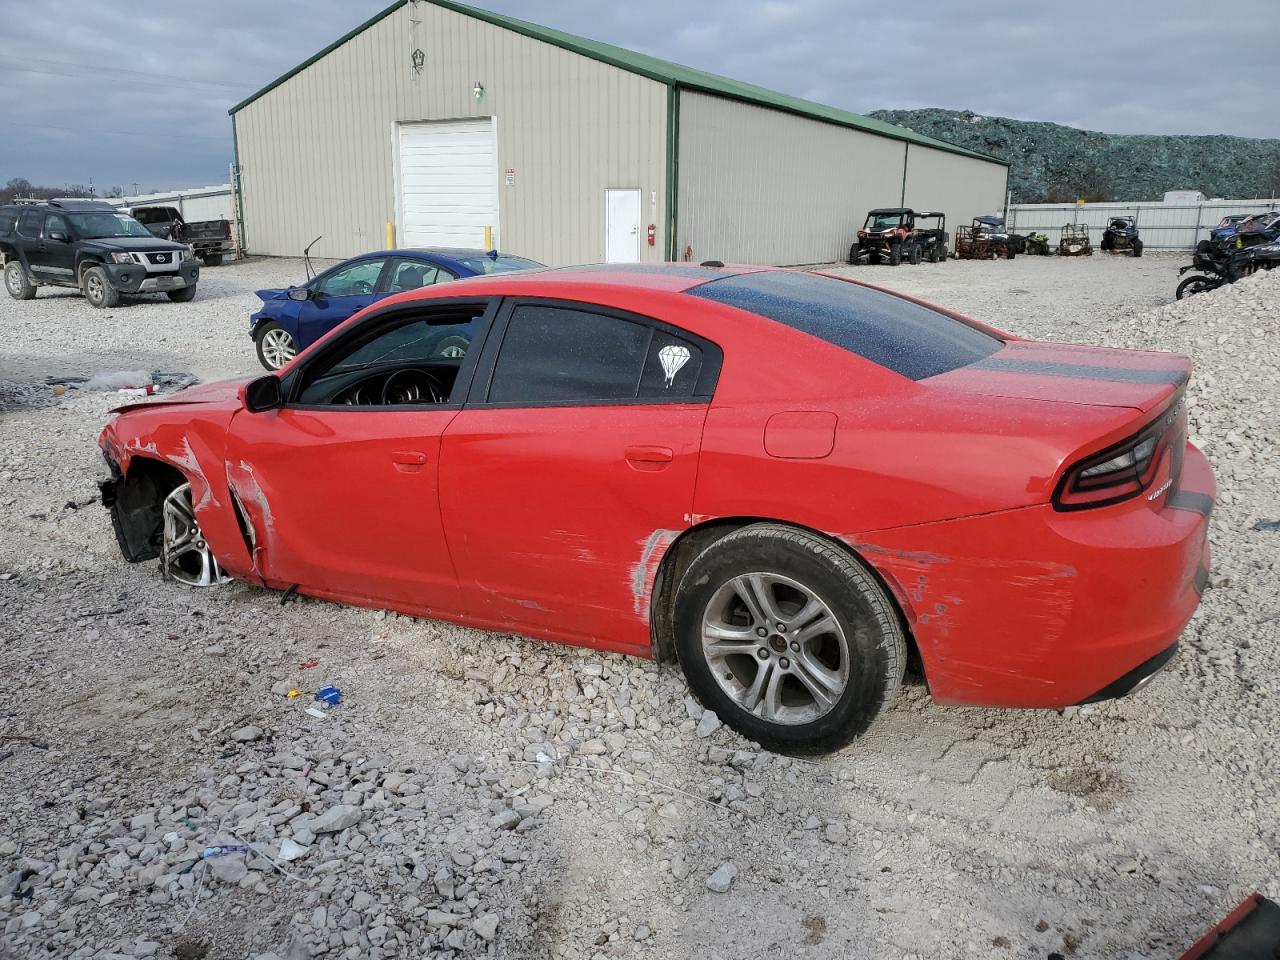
column 788, row 638
column 212, row 259
column 276, row 345
column 895, row 254
column 1009, row 252
column 98, row 289
column 913, row 253
column 17, row 282
column 1137, row 248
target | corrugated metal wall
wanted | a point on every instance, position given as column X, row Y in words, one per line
column 960, row 187
column 1162, row 226
column 763, row 186
column 317, row 153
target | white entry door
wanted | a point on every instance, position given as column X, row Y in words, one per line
column 448, row 179
column 622, row 226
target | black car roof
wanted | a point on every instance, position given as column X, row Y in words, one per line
column 890, row 210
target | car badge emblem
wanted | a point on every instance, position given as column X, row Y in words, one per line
column 673, row 358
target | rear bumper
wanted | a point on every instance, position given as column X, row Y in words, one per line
column 1035, row 608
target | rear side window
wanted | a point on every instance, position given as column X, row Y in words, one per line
column 902, row 336
column 554, row 354
column 29, row 224
column 7, row 220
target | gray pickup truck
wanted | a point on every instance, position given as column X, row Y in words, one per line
column 210, row 239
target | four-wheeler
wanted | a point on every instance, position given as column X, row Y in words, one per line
column 1036, row 245
column 1121, row 235
column 1074, row 241
column 293, row 318
column 90, row 245
column 210, row 239
column 892, row 234
column 984, row 239
column 601, row 462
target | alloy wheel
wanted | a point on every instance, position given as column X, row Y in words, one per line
column 186, row 556
column 774, row 647
column 14, row 280
column 278, row 348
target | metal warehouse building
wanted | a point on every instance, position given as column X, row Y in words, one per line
column 445, row 119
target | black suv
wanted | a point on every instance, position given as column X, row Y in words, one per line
column 90, row 245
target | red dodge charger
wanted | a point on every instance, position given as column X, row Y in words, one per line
column 784, row 481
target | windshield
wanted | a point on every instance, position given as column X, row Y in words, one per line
column 94, row 226
column 882, row 221
column 501, row 264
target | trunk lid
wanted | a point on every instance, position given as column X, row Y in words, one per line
column 1067, row 373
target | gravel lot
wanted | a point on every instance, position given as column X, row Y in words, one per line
column 480, row 794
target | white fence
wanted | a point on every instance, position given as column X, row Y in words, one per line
column 1164, row 226
column 200, row 203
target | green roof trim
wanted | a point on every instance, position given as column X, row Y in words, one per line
column 663, row 71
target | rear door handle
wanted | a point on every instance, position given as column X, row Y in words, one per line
column 408, row 461
column 647, row 457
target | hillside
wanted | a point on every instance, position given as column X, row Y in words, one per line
column 1053, row 163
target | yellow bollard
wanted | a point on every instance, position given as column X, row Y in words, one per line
column 488, row 239
column 391, row 235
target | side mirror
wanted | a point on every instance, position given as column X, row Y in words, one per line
column 263, row 394
column 299, row 293
column 58, row 236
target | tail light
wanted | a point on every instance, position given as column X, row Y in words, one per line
column 1125, row 469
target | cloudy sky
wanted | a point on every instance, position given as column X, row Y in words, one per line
column 90, row 91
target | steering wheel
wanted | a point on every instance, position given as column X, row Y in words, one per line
column 361, row 287
column 427, row 389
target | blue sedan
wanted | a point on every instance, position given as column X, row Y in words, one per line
column 294, row 318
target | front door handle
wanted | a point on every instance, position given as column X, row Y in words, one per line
column 408, row 461
column 648, row 457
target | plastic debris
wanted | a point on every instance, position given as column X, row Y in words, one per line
column 308, row 664
column 330, row 695
column 291, row 850
column 293, row 693
column 317, row 712
column 209, row 853
column 147, row 391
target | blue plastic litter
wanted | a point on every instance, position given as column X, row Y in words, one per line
column 330, row 695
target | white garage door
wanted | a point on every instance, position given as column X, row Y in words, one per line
column 448, row 183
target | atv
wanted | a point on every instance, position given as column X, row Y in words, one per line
column 984, row 239
column 932, row 239
column 890, row 234
column 1074, row 241
column 1121, row 235
column 1036, row 245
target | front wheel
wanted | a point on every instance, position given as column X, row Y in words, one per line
column 17, row 282
column 1137, row 248
column 98, row 289
column 895, row 254
column 788, row 638
column 183, row 294
column 913, row 254
column 276, row 345
column 853, row 254
column 1195, row 285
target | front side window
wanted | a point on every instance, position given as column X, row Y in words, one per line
column 413, row 275
column 53, row 222
column 354, row 280
column 413, row 360
column 905, row 337
column 556, row 354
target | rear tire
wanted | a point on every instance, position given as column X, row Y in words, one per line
column 895, row 254
column 98, row 289
column 1009, row 252
column 184, row 295
column 833, row 651
column 1137, row 248
column 212, row 259
column 17, row 282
